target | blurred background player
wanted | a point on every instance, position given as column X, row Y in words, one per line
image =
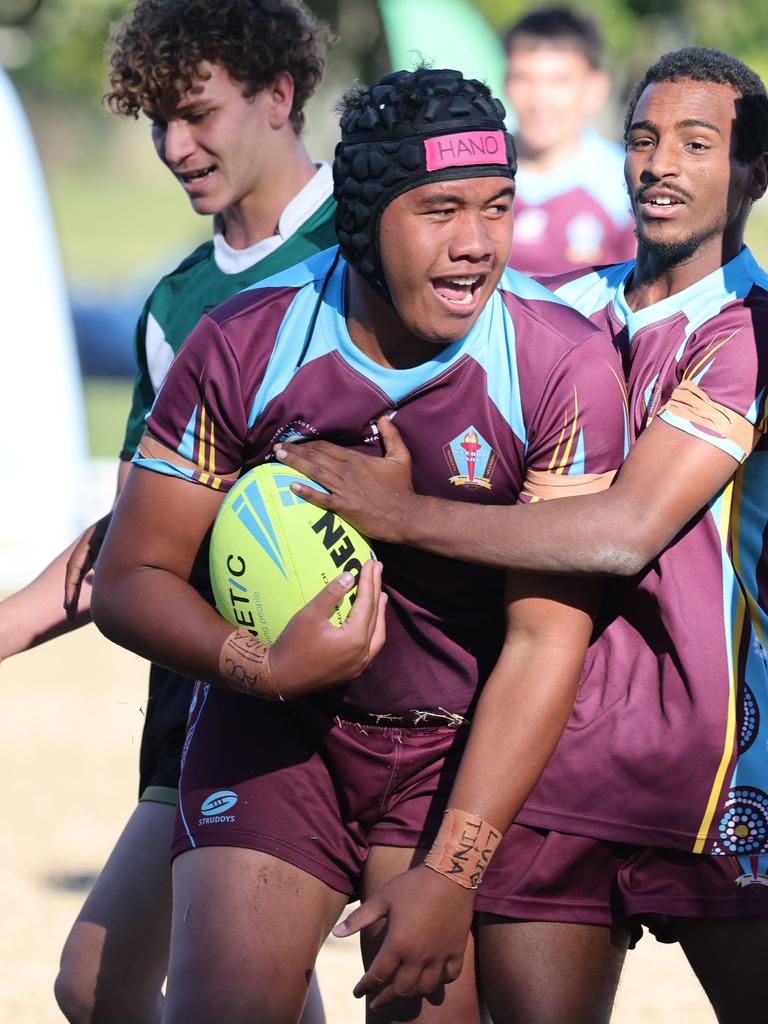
column 226, row 113
column 571, row 206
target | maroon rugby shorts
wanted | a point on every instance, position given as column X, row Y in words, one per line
column 543, row 875
column 292, row 780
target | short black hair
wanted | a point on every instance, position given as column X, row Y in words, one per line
column 413, row 97
column 702, row 64
column 559, row 27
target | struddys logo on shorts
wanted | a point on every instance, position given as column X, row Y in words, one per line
column 214, row 808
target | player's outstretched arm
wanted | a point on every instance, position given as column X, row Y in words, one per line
column 143, row 600
column 519, row 718
column 36, row 614
column 668, row 477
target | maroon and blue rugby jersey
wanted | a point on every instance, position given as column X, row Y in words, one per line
column 668, row 741
column 529, row 404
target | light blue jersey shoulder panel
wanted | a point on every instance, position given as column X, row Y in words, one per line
column 700, row 302
column 309, row 271
column 296, row 340
column 315, row 325
column 595, row 290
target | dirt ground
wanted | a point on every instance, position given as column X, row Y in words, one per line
column 69, row 735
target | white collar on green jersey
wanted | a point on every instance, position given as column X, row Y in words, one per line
column 306, row 202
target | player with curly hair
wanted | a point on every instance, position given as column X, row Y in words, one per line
column 224, row 84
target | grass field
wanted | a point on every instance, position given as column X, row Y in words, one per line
column 106, row 407
column 70, row 731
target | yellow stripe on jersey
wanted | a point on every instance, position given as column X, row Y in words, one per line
column 567, row 453
column 214, row 482
column 201, row 439
column 555, row 453
column 558, row 464
column 727, row 515
column 714, row 345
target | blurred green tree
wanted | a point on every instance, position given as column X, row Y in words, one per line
column 66, row 41
column 639, row 31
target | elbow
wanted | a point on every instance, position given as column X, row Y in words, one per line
column 627, row 538
column 104, row 609
column 626, row 556
column 624, row 561
column 100, row 612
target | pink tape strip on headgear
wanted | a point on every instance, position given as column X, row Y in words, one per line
column 465, row 148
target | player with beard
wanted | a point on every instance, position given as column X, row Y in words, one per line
column 335, row 789
column 654, row 807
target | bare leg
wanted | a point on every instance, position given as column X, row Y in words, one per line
column 114, row 960
column 314, row 1012
column 546, row 973
column 246, row 931
column 456, row 1003
column 728, row 956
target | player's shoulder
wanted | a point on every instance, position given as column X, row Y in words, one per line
column 588, row 289
column 170, row 283
column 732, row 301
column 275, row 293
column 197, row 258
column 541, row 315
column 756, row 298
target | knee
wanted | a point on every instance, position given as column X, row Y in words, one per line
column 84, row 1001
column 75, row 998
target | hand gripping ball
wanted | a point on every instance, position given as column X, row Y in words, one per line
column 271, row 552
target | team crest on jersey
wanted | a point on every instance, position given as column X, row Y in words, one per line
column 471, row 458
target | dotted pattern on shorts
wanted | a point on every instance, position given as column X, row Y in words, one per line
column 744, row 825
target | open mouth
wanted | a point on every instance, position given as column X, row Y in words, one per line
column 660, row 203
column 460, row 290
column 192, row 177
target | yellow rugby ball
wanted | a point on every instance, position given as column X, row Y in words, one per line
column 271, row 552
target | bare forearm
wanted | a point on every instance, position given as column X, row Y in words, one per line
column 159, row 615
column 36, row 613
column 162, row 618
column 569, row 536
column 668, row 477
column 519, row 718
